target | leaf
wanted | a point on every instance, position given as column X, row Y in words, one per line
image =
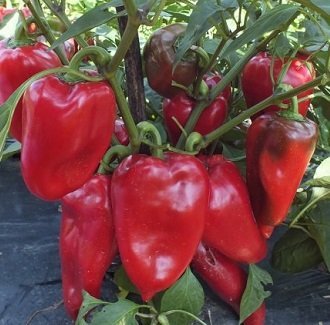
column 205, row 15
column 319, row 228
column 186, row 294
column 122, row 280
column 88, row 304
column 322, row 4
column 319, row 182
column 321, row 178
column 270, row 20
column 322, row 7
column 121, row 312
column 282, row 46
column 11, row 150
column 295, row 252
column 254, row 293
column 233, row 153
column 91, row 19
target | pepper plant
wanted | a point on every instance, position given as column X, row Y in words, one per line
column 177, row 136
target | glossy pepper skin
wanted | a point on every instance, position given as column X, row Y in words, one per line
column 17, row 64
column 257, row 82
column 159, row 209
column 278, row 151
column 226, row 279
column 159, row 57
column 121, row 132
column 181, row 106
column 230, row 226
column 66, row 130
column 87, row 241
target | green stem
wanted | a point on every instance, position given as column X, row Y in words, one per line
column 131, row 8
column 260, row 106
column 157, row 13
column 146, row 129
column 126, row 114
column 314, row 8
column 114, row 152
column 294, row 105
column 226, row 80
column 38, row 8
column 197, row 111
column 46, row 31
column 59, row 12
column 195, row 140
column 307, row 207
column 125, row 43
column 185, row 313
column 100, row 56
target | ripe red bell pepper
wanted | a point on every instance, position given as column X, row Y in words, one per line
column 159, row 209
column 178, row 109
column 17, row 64
column 257, row 82
column 226, row 278
column 87, row 241
column 230, row 225
column 278, row 150
column 67, row 128
column 159, row 57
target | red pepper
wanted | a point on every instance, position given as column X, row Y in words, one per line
column 278, row 151
column 17, row 64
column 226, row 278
column 178, row 109
column 7, row 11
column 121, row 132
column 159, row 57
column 257, row 82
column 159, row 209
column 87, row 241
column 230, row 225
column 66, row 130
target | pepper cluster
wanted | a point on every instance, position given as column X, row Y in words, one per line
column 164, row 212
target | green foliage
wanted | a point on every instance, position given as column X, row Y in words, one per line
column 186, row 294
column 121, row 312
column 254, row 293
column 295, row 252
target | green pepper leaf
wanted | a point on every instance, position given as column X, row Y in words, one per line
column 121, row 312
column 88, row 304
column 206, row 14
column 321, row 179
column 91, row 19
column 322, row 7
column 295, row 252
column 319, row 228
column 319, row 182
column 254, row 293
column 12, row 149
column 122, row 280
column 270, row 20
column 186, row 294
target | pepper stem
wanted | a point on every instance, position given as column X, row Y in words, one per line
column 194, row 142
column 118, row 151
column 293, row 111
column 148, row 130
column 100, row 56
